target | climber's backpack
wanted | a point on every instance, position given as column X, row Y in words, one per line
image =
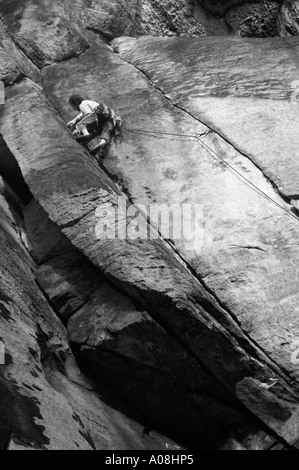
column 103, row 112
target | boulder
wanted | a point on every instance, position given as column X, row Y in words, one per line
column 109, row 18
column 254, row 19
column 13, row 63
column 136, row 18
column 289, row 19
column 42, row 34
column 176, row 18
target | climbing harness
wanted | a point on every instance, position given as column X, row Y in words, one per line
column 103, row 111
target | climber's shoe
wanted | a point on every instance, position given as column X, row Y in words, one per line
column 98, row 147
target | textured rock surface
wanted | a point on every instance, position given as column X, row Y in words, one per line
column 117, row 17
column 110, row 18
column 234, row 262
column 11, row 172
column 254, row 19
column 130, row 352
column 176, row 17
column 45, row 401
column 13, row 63
column 289, row 18
column 43, row 35
column 78, row 194
column 126, row 348
column 194, row 332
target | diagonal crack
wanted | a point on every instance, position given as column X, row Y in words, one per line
column 283, row 196
column 255, row 348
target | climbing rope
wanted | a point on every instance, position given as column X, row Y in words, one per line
column 216, row 156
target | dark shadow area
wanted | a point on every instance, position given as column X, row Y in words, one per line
column 150, row 398
column 11, row 173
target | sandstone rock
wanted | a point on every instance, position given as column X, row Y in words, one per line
column 67, row 281
column 110, row 18
column 47, row 241
column 119, row 341
column 13, row 63
column 241, row 247
column 44, row 36
column 257, row 19
column 117, row 18
column 206, row 298
column 255, row 257
column 133, row 354
column 45, row 401
column 175, row 17
column 78, row 195
column 289, row 19
column 12, row 174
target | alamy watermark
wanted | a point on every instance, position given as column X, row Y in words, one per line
column 2, row 93
column 178, row 222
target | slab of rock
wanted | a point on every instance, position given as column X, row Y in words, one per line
column 47, row 241
column 254, row 19
column 176, row 18
column 249, row 249
column 46, row 403
column 136, row 356
column 254, row 87
column 76, row 194
column 234, row 255
column 13, row 63
column 111, row 332
column 200, row 293
column 111, row 18
column 116, row 18
column 41, row 34
column 289, row 18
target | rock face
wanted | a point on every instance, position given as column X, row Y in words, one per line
column 289, row 19
column 226, row 107
column 45, row 401
column 41, row 33
column 254, row 19
column 14, row 64
column 49, row 28
column 257, row 18
column 110, row 321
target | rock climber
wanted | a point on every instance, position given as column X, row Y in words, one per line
column 92, row 116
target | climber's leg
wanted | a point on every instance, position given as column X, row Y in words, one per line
column 107, row 130
column 81, row 127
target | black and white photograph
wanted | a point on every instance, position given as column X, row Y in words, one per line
column 149, row 228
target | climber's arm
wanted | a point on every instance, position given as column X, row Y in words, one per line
column 75, row 120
